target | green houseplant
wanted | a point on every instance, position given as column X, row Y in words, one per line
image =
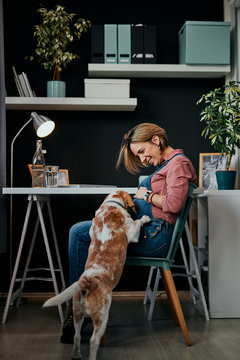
column 55, row 36
column 222, row 121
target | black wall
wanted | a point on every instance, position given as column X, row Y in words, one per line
column 87, row 143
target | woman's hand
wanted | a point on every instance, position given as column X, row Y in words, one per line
column 140, row 192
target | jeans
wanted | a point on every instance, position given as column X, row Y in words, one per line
column 154, row 241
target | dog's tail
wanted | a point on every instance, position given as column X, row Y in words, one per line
column 63, row 296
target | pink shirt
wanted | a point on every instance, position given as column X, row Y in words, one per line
column 172, row 182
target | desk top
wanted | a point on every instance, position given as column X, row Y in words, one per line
column 90, row 189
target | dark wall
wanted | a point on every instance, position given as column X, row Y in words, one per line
column 87, row 143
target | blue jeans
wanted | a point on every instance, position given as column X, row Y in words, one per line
column 154, row 241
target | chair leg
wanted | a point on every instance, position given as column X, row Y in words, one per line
column 165, row 284
column 176, row 304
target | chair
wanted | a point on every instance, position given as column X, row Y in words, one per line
column 164, row 265
column 197, row 291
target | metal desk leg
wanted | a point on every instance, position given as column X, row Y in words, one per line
column 56, row 245
column 10, row 298
column 48, row 253
column 28, row 261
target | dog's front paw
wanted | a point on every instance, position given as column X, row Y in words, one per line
column 145, row 219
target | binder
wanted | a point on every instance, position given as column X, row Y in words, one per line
column 97, row 44
column 124, row 44
column 110, row 43
column 149, row 41
column 137, row 44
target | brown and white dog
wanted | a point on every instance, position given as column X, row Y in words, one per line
column 112, row 229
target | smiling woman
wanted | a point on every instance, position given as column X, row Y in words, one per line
column 165, row 190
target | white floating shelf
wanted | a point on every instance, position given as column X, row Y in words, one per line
column 158, row 70
column 67, row 103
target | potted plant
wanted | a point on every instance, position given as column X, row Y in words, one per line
column 55, row 35
column 222, row 118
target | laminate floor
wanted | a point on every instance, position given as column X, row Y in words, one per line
column 32, row 333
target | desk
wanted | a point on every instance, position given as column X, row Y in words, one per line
column 218, row 249
column 41, row 196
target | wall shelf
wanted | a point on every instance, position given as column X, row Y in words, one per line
column 158, row 70
column 67, row 103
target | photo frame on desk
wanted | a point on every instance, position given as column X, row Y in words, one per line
column 209, row 163
column 63, row 176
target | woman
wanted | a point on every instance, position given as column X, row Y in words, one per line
column 160, row 195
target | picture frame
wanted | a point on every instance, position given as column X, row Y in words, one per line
column 209, row 163
column 63, row 176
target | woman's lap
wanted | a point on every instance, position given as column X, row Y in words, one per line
column 154, row 241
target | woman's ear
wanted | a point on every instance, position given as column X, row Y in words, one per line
column 155, row 140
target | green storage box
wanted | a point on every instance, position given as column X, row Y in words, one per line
column 204, row 42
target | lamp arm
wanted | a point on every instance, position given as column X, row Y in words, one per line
column 12, row 143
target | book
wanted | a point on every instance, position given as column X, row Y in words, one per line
column 27, row 84
column 23, row 85
column 17, row 82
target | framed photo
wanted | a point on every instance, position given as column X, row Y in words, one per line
column 63, row 177
column 208, row 164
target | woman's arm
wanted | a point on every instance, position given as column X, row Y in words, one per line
column 153, row 198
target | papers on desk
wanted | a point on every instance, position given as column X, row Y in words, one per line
column 87, row 185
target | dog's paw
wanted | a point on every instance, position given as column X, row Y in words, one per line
column 146, row 219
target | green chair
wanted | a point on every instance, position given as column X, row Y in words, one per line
column 165, row 264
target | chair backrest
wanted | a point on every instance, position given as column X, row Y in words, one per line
column 180, row 224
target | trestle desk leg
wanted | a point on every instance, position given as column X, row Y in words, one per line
column 9, row 297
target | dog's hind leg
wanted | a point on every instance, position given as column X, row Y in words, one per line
column 100, row 325
column 76, row 351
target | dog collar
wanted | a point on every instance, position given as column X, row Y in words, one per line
column 113, row 201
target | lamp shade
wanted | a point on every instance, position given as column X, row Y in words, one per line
column 42, row 124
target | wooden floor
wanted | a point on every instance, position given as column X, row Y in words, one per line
column 32, row 333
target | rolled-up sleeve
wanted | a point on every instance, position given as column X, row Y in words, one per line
column 177, row 187
column 172, row 182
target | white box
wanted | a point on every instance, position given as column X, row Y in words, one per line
column 107, row 88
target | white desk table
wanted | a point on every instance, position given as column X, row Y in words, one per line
column 41, row 196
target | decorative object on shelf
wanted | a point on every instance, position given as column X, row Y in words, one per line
column 107, row 88
column 204, row 42
column 222, row 118
column 22, row 83
column 209, row 163
column 123, row 44
column 54, row 37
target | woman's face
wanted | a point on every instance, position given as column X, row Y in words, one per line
column 148, row 151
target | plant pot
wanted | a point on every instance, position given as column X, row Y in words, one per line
column 226, row 179
column 56, row 88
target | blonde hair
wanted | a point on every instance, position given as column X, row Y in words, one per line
column 140, row 133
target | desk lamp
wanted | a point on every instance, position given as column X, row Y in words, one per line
column 43, row 127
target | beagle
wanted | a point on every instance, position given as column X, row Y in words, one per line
column 112, row 229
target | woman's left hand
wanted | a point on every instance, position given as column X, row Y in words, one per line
column 140, row 192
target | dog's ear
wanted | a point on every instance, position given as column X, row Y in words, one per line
column 129, row 203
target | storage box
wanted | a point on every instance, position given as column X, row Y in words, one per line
column 204, row 42
column 107, row 88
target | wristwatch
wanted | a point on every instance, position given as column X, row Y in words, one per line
column 148, row 192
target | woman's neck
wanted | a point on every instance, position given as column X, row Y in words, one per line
column 167, row 151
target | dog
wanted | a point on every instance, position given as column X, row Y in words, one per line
column 111, row 231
